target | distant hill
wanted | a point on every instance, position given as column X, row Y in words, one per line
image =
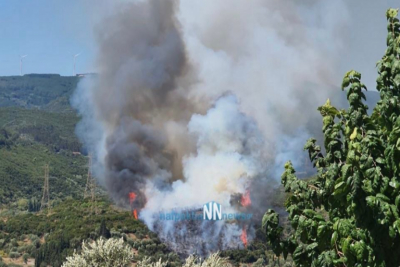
column 49, row 92
column 55, row 130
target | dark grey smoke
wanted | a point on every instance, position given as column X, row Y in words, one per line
column 141, row 56
column 135, row 154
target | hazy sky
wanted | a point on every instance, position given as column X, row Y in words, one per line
column 366, row 37
column 50, row 32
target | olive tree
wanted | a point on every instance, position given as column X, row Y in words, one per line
column 101, row 253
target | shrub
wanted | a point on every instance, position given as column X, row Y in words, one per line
column 14, row 255
column 146, row 262
column 102, row 253
column 25, row 257
column 214, row 260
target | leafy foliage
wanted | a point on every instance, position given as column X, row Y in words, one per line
column 101, row 253
column 147, row 262
column 349, row 215
column 214, row 260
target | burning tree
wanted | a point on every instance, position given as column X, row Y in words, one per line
column 349, row 214
column 132, row 197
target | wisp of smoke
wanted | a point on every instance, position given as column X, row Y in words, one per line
column 197, row 101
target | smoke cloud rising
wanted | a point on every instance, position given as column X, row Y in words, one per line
column 197, row 101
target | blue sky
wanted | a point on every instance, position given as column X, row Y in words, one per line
column 49, row 32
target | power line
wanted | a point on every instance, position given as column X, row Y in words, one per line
column 45, row 203
column 90, row 188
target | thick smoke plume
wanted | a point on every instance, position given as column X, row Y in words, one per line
column 199, row 101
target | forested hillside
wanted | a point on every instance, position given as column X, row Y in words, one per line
column 37, row 127
column 38, row 91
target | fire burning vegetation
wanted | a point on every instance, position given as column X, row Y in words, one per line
column 246, row 202
column 132, row 197
column 188, row 110
column 243, row 237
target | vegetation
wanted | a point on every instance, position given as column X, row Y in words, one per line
column 349, row 214
column 22, row 174
column 49, row 92
column 102, row 253
column 114, row 253
column 29, row 139
column 51, row 237
column 55, row 130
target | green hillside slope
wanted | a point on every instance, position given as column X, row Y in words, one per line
column 38, row 91
column 22, row 172
column 56, row 130
column 29, row 139
column 50, row 237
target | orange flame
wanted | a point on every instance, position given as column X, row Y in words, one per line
column 246, row 200
column 135, row 214
column 243, row 237
column 132, row 197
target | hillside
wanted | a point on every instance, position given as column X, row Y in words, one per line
column 43, row 239
column 55, row 130
column 37, row 127
column 49, row 92
column 29, row 139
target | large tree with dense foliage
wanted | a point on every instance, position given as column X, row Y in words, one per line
column 349, row 214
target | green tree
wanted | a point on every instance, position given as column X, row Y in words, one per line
column 349, row 214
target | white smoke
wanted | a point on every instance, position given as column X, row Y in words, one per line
column 230, row 152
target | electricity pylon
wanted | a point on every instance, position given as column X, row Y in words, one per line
column 90, row 189
column 45, row 203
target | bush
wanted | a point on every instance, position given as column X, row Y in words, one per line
column 101, row 253
column 214, row 260
column 14, row 255
column 146, row 262
column 25, row 257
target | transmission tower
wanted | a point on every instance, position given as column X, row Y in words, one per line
column 89, row 178
column 45, row 203
column 90, row 189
